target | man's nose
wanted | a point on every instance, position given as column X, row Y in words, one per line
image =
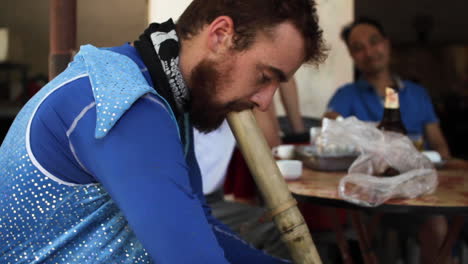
column 369, row 51
column 262, row 99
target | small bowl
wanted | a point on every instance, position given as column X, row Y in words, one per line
column 433, row 156
column 283, row 152
column 290, row 169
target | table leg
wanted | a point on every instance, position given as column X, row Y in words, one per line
column 340, row 237
column 451, row 237
column 374, row 224
column 363, row 238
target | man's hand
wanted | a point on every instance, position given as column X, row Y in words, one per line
column 455, row 163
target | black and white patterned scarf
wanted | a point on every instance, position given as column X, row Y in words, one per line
column 159, row 48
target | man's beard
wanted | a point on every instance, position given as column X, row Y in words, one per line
column 206, row 82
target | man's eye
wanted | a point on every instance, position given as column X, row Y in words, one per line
column 375, row 41
column 264, row 79
column 356, row 48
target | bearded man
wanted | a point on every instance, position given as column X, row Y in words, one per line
column 99, row 167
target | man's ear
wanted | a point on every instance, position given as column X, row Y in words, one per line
column 220, row 34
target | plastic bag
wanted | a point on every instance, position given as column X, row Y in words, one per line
column 379, row 151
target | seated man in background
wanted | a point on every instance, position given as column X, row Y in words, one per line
column 369, row 48
column 214, row 151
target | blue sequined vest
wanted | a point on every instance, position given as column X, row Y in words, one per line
column 45, row 221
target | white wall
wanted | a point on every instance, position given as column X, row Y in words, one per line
column 162, row 10
column 315, row 85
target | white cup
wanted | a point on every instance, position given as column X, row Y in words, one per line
column 290, row 169
column 433, row 156
column 314, row 134
column 283, row 151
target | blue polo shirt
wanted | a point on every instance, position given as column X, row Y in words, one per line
column 361, row 100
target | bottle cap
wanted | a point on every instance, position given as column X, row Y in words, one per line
column 391, row 98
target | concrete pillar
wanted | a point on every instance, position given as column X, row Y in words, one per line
column 62, row 35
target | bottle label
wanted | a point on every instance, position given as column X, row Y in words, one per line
column 391, row 99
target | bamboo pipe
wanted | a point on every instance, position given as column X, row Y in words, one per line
column 286, row 215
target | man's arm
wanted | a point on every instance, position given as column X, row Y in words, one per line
column 331, row 115
column 268, row 123
column 290, row 99
column 436, row 140
column 141, row 164
column 268, row 120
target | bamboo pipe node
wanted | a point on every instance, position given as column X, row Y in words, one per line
column 294, row 232
column 279, row 209
column 287, row 217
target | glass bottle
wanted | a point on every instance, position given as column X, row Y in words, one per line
column 391, row 120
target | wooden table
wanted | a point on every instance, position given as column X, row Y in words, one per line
column 450, row 197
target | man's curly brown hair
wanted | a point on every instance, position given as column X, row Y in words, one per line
column 253, row 16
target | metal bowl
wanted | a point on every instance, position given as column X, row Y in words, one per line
column 312, row 159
